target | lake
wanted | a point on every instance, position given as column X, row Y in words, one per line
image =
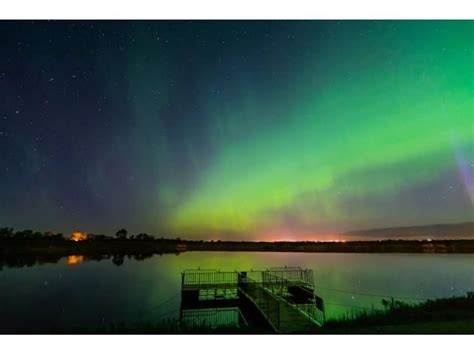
column 75, row 292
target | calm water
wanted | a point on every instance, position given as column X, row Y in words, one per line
column 39, row 298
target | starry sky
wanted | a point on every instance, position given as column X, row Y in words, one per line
column 246, row 130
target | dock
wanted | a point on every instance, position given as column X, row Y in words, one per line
column 282, row 300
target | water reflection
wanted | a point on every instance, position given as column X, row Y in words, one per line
column 74, row 259
column 228, row 318
column 28, row 260
column 52, row 295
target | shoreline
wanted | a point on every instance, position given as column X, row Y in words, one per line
column 175, row 245
column 19, row 253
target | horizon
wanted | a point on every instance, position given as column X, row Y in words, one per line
column 347, row 236
column 236, row 129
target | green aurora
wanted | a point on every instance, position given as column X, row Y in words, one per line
column 245, row 130
column 389, row 117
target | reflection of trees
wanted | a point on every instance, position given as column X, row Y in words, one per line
column 28, row 260
column 142, row 256
column 97, row 257
column 118, row 259
column 12, row 260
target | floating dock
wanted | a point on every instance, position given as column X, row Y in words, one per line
column 282, row 300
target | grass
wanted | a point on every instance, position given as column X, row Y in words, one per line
column 447, row 315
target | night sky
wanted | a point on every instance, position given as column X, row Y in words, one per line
column 235, row 129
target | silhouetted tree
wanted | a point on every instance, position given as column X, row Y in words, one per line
column 144, row 236
column 121, row 234
column 99, row 237
column 26, row 234
column 6, row 232
column 59, row 236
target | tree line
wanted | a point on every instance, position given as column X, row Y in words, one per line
column 7, row 233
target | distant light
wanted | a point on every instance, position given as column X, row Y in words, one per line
column 78, row 236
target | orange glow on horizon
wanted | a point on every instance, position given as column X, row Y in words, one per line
column 78, row 236
column 305, row 238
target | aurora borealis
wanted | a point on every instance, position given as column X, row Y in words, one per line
column 236, row 129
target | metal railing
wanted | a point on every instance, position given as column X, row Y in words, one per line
column 269, row 306
column 295, row 274
column 198, row 278
column 275, row 284
column 313, row 312
column 266, row 289
column 279, row 286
